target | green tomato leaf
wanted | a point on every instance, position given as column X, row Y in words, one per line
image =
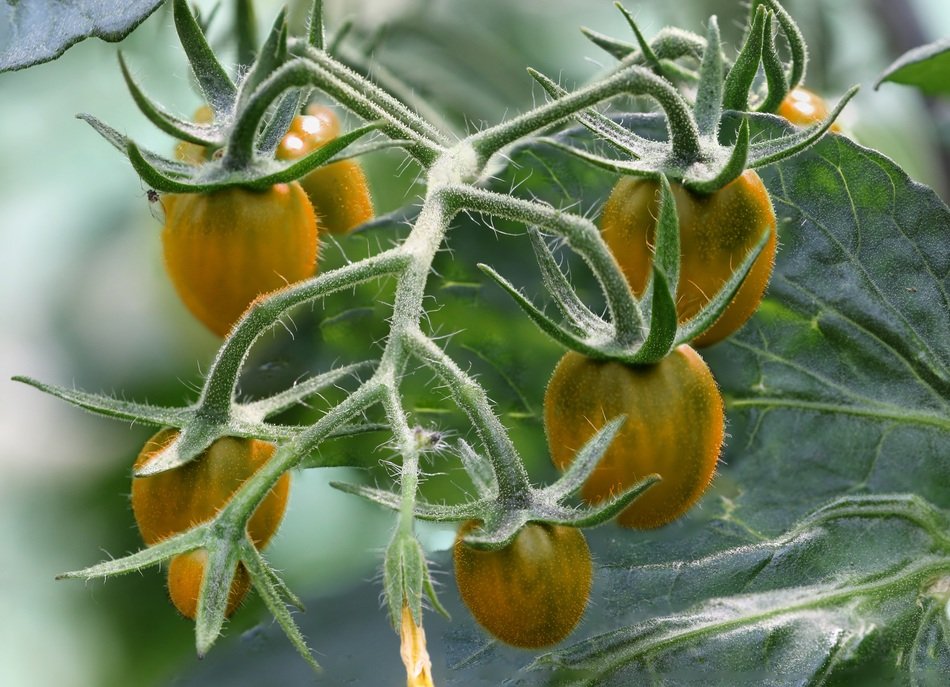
column 37, row 31
column 926, row 67
column 857, row 589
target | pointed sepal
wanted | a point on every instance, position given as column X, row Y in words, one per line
column 213, row 596
column 161, row 416
column 200, row 134
column 140, row 560
column 214, row 82
column 273, row 591
column 708, row 107
column 612, row 46
column 740, row 78
column 769, row 152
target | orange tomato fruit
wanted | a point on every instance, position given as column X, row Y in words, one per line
column 223, row 249
column 533, row 592
column 674, row 427
column 805, row 108
column 176, row 500
column 717, row 231
column 185, row 575
column 339, row 191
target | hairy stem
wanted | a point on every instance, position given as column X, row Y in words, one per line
column 218, row 393
column 366, row 102
column 632, row 80
column 513, row 485
column 581, row 234
column 409, row 449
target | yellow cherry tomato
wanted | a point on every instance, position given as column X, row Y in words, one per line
column 533, row 592
column 185, row 574
column 339, row 191
column 224, row 249
column 717, row 231
column 805, row 108
column 674, row 427
column 176, row 500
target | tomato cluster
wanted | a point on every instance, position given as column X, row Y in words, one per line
column 176, row 500
column 531, row 593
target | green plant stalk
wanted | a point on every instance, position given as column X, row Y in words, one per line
column 300, row 73
column 217, row 396
column 582, row 235
column 409, row 449
column 513, row 485
column 245, row 29
column 345, row 75
column 633, row 80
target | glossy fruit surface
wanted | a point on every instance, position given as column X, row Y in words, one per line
column 339, row 191
column 805, row 108
column 185, row 573
column 717, row 231
column 225, row 248
column 674, row 427
column 174, row 501
column 531, row 593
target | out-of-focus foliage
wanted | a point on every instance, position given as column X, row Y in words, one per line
column 926, row 67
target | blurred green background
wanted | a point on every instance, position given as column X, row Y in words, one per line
column 85, row 301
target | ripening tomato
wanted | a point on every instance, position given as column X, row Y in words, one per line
column 531, row 593
column 805, row 108
column 674, row 427
column 339, row 191
column 717, row 231
column 185, row 574
column 225, row 248
column 176, row 500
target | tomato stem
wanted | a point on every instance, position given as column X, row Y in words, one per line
column 218, row 393
column 632, row 80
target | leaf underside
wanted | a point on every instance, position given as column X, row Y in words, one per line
column 36, row 32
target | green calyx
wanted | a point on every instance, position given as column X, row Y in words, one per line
column 695, row 153
column 503, row 506
column 248, row 117
column 640, row 331
column 213, row 416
